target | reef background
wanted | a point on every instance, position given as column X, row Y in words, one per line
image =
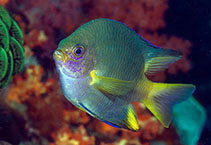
column 33, row 108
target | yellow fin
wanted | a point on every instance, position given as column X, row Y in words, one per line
column 162, row 97
column 111, row 85
column 131, row 119
column 82, row 109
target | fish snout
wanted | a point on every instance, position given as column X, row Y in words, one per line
column 60, row 55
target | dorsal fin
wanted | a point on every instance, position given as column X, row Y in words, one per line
column 159, row 59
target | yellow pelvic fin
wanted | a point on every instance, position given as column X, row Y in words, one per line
column 131, row 119
column 111, row 85
column 82, row 109
column 162, row 97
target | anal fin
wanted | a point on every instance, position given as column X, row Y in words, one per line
column 125, row 117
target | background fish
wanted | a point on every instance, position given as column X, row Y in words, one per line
column 102, row 67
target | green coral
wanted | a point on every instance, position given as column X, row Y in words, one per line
column 5, row 17
column 15, row 32
column 11, row 50
column 4, row 36
column 3, row 63
column 18, row 55
column 7, row 77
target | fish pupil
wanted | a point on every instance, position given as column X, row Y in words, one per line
column 78, row 51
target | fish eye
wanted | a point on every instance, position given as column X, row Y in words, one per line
column 78, row 51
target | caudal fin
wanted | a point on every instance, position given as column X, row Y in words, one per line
column 162, row 97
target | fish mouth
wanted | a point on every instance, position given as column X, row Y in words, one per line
column 60, row 55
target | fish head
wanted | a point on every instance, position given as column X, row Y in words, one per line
column 73, row 57
column 74, row 61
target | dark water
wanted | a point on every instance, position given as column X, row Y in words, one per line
column 191, row 19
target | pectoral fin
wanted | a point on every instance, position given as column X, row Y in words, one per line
column 111, row 85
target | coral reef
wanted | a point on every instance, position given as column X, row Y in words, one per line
column 36, row 93
column 11, row 50
column 4, row 2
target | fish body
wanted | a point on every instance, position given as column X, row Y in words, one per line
column 102, row 67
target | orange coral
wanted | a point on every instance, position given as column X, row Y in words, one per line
column 76, row 116
column 19, row 92
column 4, row 2
column 66, row 137
column 35, row 38
column 29, row 89
column 146, row 14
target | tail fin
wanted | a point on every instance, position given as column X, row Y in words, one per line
column 162, row 97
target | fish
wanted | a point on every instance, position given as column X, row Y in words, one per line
column 102, row 69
